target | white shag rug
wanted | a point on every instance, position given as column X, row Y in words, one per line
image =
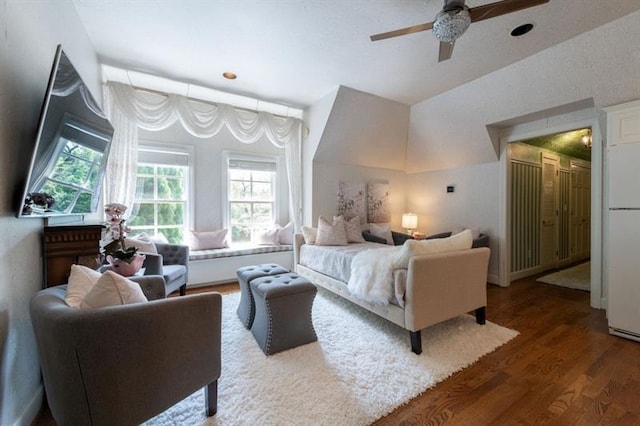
column 577, row 277
column 360, row 369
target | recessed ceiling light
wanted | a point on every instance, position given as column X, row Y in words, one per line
column 521, row 30
column 229, row 75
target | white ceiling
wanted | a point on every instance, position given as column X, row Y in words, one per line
column 294, row 52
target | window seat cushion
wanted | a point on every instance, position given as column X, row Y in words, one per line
column 242, row 250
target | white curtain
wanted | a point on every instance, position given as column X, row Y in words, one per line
column 154, row 111
column 120, row 174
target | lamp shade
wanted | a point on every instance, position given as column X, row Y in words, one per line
column 409, row 221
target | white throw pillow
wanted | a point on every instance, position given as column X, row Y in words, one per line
column 113, row 289
column 382, row 230
column 411, row 248
column 209, row 239
column 286, row 234
column 266, row 236
column 81, row 281
column 353, row 229
column 143, row 242
column 331, row 234
column 309, row 234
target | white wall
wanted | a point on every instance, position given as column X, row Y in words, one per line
column 327, row 176
column 355, row 137
column 315, row 120
column 473, row 204
column 29, row 33
column 208, row 167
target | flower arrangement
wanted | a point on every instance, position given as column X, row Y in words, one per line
column 117, row 230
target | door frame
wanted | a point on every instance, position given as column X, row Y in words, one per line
column 514, row 134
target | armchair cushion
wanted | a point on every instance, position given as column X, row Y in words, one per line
column 112, row 289
column 81, row 280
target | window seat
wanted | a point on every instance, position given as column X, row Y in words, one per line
column 219, row 265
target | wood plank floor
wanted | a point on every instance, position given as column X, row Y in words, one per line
column 563, row 369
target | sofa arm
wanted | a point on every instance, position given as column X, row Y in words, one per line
column 443, row 285
column 123, row 351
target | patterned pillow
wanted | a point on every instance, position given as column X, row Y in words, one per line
column 331, row 234
column 353, row 229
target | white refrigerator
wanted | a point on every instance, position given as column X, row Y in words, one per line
column 623, row 312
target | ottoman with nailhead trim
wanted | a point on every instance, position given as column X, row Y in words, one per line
column 283, row 312
column 246, row 308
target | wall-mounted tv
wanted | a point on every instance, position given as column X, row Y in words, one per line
column 71, row 149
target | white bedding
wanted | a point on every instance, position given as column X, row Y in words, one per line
column 335, row 262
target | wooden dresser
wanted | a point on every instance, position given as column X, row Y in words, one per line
column 66, row 245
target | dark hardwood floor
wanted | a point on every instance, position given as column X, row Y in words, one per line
column 563, row 369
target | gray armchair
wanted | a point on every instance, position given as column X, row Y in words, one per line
column 122, row 365
column 172, row 262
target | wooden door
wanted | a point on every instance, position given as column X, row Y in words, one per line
column 549, row 211
column 580, row 211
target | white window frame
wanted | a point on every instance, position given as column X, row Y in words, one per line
column 226, row 183
column 188, row 151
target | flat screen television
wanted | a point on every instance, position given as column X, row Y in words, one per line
column 71, row 149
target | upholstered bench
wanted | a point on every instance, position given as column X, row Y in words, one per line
column 283, row 312
column 246, row 308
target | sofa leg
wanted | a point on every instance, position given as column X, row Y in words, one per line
column 481, row 315
column 211, row 398
column 416, row 342
column 183, row 289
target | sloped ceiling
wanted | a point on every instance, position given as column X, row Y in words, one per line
column 365, row 130
column 602, row 66
column 294, row 52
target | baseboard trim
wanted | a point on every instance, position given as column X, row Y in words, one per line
column 493, row 279
column 31, row 409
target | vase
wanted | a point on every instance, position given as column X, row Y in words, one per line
column 124, row 268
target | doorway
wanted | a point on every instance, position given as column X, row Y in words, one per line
column 550, row 203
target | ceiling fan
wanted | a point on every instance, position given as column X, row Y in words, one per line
column 454, row 19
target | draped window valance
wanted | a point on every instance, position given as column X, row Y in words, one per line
column 130, row 108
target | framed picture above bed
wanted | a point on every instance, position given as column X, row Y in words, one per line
column 351, row 200
column 378, row 208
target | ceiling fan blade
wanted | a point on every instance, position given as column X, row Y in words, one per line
column 402, row 31
column 503, row 7
column 445, row 51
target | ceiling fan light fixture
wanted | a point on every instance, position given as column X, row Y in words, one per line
column 451, row 24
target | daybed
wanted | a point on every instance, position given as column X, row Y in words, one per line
column 439, row 286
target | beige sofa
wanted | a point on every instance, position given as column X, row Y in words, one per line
column 438, row 287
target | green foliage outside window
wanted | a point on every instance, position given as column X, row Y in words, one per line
column 251, row 202
column 160, row 202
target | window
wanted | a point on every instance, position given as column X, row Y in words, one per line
column 251, row 195
column 162, row 187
